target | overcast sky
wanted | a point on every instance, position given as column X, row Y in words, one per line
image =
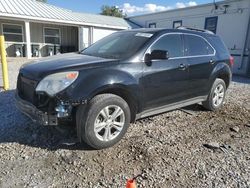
column 130, row 7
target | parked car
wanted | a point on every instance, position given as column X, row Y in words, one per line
column 124, row 77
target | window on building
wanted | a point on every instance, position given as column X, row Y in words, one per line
column 13, row 33
column 171, row 43
column 52, row 35
column 211, row 24
column 152, row 25
column 177, row 24
column 196, row 46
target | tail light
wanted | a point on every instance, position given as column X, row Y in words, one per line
column 231, row 60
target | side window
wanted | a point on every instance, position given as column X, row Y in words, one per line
column 13, row 33
column 195, row 46
column 152, row 25
column 52, row 35
column 171, row 43
column 211, row 24
column 177, row 24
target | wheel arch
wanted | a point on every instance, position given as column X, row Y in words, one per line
column 125, row 94
column 222, row 71
column 225, row 77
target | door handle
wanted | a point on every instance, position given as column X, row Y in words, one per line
column 183, row 67
column 212, row 61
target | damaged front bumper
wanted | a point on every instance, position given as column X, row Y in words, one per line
column 35, row 114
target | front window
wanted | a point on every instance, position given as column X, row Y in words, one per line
column 120, row 45
column 13, row 33
column 171, row 43
column 52, row 35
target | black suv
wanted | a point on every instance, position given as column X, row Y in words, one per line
column 124, row 77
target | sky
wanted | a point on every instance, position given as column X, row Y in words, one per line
column 129, row 7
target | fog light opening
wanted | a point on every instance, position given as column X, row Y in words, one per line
column 63, row 110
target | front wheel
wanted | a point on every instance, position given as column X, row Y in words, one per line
column 216, row 96
column 105, row 121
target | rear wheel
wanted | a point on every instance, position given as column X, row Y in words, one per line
column 105, row 121
column 217, row 95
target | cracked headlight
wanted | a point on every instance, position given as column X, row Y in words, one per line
column 54, row 83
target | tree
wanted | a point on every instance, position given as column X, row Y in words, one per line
column 112, row 11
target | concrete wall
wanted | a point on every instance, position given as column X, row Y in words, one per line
column 232, row 25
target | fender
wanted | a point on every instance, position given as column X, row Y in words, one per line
column 99, row 80
column 222, row 69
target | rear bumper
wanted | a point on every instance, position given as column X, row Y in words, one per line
column 35, row 114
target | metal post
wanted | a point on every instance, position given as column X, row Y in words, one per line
column 80, row 38
column 91, row 35
column 4, row 63
column 28, row 43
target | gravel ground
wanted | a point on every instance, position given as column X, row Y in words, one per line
column 191, row 148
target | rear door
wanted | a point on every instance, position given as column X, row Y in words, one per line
column 166, row 81
column 201, row 60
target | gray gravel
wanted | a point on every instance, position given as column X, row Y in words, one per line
column 168, row 150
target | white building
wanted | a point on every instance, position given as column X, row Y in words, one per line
column 34, row 28
column 230, row 19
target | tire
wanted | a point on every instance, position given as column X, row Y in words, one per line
column 99, row 124
column 218, row 90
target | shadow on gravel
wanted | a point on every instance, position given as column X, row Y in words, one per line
column 17, row 128
column 240, row 79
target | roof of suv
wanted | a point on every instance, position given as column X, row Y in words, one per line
column 179, row 30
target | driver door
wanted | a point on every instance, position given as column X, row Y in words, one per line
column 165, row 81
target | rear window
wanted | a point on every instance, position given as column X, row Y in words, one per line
column 219, row 45
column 196, row 46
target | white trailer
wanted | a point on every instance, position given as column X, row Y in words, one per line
column 230, row 19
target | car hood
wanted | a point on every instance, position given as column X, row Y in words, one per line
column 65, row 62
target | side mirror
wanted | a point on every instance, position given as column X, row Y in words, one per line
column 156, row 54
column 159, row 54
column 147, row 58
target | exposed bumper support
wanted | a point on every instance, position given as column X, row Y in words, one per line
column 35, row 114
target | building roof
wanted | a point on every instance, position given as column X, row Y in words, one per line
column 38, row 11
column 218, row 2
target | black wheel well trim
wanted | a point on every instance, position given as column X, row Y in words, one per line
column 225, row 77
column 124, row 94
column 222, row 71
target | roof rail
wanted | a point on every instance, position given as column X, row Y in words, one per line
column 195, row 29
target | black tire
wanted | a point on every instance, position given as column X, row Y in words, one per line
column 209, row 104
column 86, row 118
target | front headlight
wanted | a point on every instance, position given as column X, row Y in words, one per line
column 55, row 83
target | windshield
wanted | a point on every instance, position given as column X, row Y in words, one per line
column 120, row 45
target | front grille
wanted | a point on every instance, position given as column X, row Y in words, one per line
column 26, row 89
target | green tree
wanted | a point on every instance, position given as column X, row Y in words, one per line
column 112, row 11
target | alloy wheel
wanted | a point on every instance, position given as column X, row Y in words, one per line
column 218, row 95
column 109, row 123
